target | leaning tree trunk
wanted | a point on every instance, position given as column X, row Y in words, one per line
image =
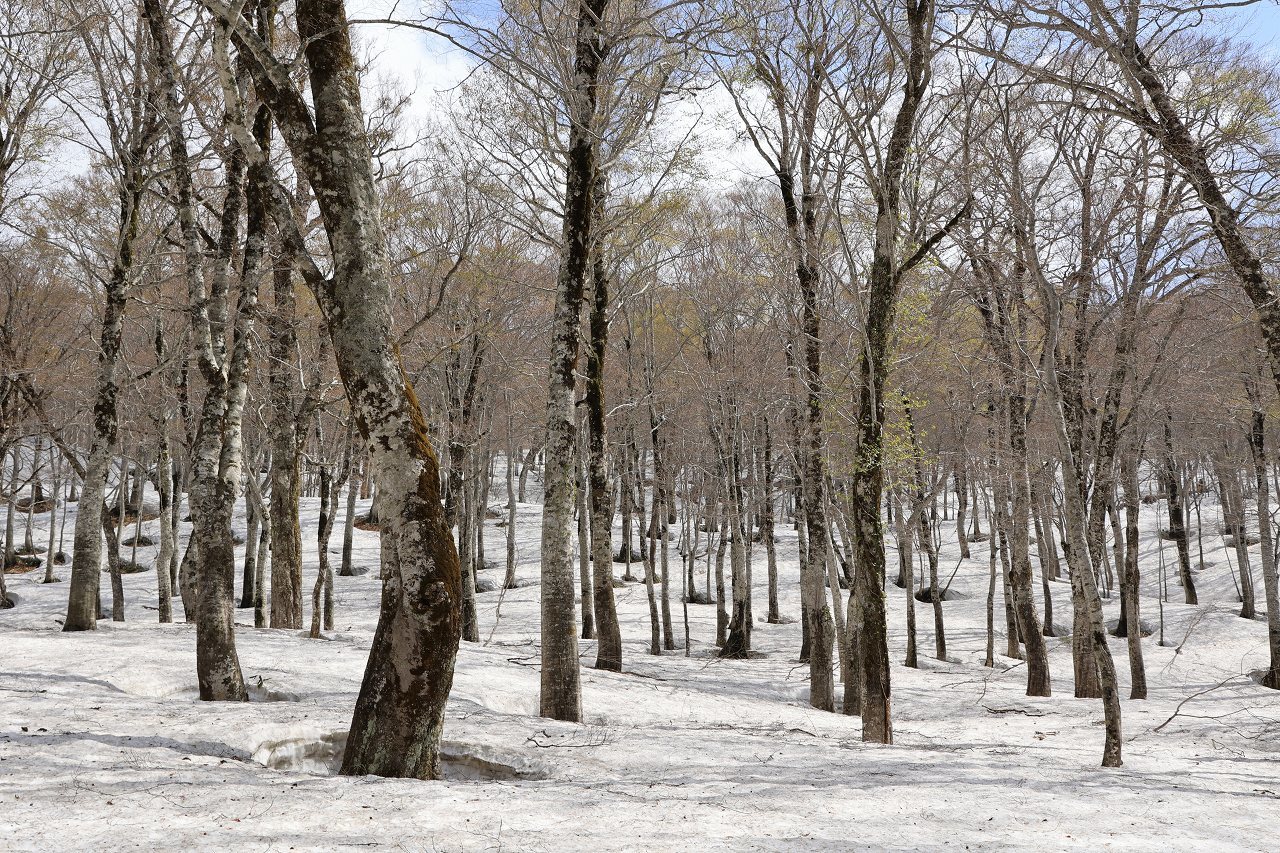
column 399, row 714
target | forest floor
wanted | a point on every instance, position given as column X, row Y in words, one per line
column 104, row 745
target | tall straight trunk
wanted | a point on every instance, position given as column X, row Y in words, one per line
column 264, row 559
column 626, row 504
column 1000, row 530
column 990, row 659
column 164, row 479
column 324, row 571
column 962, row 507
column 738, row 639
column 110, row 529
column 560, row 696
column 584, row 555
column 1132, row 575
column 1257, row 448
column 767, row 522
column 11, row 510
column 346, row 569
column 1005, row 333
column 249, row 573
column 722, row 610
column 884, row 279
column 906, row 571
column 330, row 487
column 668, row 632
column 221, row 340
column 646, row 555
column 175, row 521
column 935, row 592
column 83, row 590
column 86, row 554
column 509, row 582
column 287, row 436
column 55, row 493
column 35, row 496
column 920, row 520
column 608, row 631
column 1020, row 576
column 466, row 562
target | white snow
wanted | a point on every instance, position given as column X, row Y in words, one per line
column 104, row 745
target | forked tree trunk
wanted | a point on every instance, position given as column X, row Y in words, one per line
column 1084, row 588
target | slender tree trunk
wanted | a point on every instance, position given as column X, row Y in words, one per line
column 1257, row 446
column 346, row 569
column 767, row 523
column 1132, row 576
column 509, row 582
column 584, row 556
column 164, row 479
column 722, row 610
column 55, row 492
column 962, row 507
column 250, row 570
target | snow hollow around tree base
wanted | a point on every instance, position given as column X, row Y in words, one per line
column 305, row 749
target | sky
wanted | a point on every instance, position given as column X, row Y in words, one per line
column 429, row 66
column 1259, row 23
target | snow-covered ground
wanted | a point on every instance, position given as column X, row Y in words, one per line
column 104, row 745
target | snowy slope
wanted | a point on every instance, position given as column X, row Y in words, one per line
column 103, row 744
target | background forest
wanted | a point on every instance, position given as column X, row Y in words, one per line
column 678, row 398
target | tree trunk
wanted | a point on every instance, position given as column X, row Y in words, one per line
column 1132, row 576
column 561, row 692
column 767, row 523
column 608, row 631
column 1257, row 446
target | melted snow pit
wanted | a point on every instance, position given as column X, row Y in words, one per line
column 303, row 750
column 320, row 753
column 262, row 693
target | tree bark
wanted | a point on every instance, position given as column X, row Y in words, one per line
column 561, row 692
